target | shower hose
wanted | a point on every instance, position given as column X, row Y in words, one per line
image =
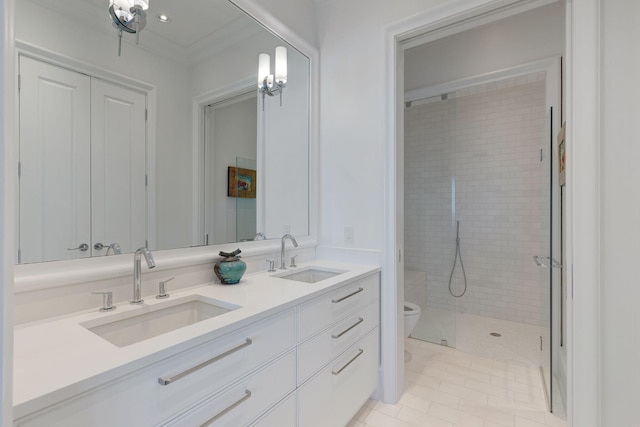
column 455, row 260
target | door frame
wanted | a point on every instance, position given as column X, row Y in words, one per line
column 239, row 96
column 582, row 234
column 198, row 105
column 551, row 67
column 430, row 25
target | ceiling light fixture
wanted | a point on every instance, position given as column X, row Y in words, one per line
column 163, row 18
column 129, row 16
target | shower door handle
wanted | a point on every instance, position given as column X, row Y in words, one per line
column 546, row 262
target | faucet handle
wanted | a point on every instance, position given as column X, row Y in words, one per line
column 162, row 291
column 293, row 261
column 107, row 300
column 272, row 265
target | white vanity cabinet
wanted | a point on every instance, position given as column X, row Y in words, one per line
column 310, row 364
column 334, row 395
column 338, row 353
column 243, row 401
column 193, row 379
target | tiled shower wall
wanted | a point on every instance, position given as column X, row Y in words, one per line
column 475, row 158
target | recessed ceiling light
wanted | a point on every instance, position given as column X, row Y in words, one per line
column 163, row 18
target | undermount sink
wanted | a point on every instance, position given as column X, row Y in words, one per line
column 311, row 275
column 123, row 329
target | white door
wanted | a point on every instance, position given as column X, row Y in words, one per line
column 55, row 181
column 118, row 167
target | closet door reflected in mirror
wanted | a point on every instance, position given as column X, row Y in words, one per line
column 82, row 165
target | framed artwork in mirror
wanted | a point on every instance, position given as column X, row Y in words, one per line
column 241, row 183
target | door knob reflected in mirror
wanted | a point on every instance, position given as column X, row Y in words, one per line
column 83, row 247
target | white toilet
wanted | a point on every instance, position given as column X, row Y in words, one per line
column 411, row 316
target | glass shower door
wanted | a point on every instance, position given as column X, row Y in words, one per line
column 430, row 212
column 547, row 259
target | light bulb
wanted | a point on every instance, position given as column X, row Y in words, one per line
column 264, row 68
column 281, row 64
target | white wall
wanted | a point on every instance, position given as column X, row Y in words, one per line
column 510, row 42
column 351, row 39
column 481, row 147
column 620, row 213
column 7, row 162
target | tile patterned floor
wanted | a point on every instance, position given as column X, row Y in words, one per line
column 445, row 387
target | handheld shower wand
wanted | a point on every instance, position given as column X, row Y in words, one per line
column 457, row 255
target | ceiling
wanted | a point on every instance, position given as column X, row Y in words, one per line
column 196, row 25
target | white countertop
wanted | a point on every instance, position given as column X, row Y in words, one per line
column 57, row 358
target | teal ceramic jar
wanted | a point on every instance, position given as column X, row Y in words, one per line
column 230, row 269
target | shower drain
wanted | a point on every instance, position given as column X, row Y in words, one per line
column 495, row 334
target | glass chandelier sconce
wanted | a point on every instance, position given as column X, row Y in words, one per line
column 129, row 16
column 267, row 83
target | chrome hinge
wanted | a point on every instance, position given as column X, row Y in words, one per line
column 146, row 180
column 540, row 342
column 19, row 82
column 19, row 170
column 400, row 255
column 541, row 154
column 19, row 256
column 206, row 240
column 146, row 114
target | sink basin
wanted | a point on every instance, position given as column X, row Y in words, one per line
column 123, row 329
column 311, row 275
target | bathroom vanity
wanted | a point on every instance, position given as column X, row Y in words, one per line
column 270, row 351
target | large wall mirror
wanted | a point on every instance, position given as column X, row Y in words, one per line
column 166, row 143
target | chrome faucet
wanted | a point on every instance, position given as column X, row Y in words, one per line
column 137, row 272
column 117, row 250
column 295, row 244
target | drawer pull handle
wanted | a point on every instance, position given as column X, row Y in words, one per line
column 335, row 301
column 360, row 351
column 360, row 320
column 247, row 395
column 167, row 381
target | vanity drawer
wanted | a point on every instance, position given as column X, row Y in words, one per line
column 316, row 352
column 324, row 310
column 140, row 400
column 283, row 415
column 332, row 397
column 244, row 400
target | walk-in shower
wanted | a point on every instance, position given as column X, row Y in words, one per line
column 475, row 186
column 479, row 190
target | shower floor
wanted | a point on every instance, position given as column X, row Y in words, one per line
column 471, row 333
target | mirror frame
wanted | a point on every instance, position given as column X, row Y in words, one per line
column 46, row 275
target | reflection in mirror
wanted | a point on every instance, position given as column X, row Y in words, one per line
column 230, row 153
column 135, row 150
